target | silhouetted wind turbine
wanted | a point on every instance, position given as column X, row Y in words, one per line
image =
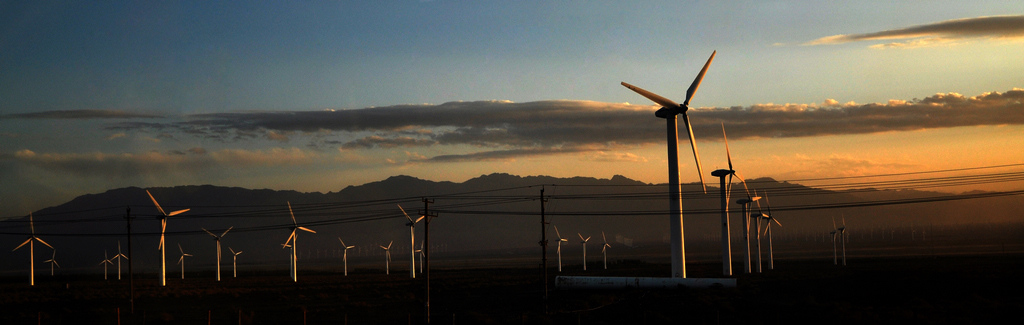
column 234, row 261
column 163, row 229
column 768, row 230
column 835, row 258
column 757, row 219
column 584, row 242
column 669, row 111
column 604, row 250
column 217, row 239
column 842, row 236
column 412, row 241
column 52, row 261
column 387, row 257
column 106, row 261
column 344, row 255
column 32, row 249
column 118, row 257
column 559, row 250
column 745, row 203
column 726, row 189
column 293, row 239
column 181, row 261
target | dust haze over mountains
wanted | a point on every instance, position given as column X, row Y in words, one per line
column 491, row 215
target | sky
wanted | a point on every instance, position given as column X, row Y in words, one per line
column 320, row 95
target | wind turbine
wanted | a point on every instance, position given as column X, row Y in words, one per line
column 163, row 229
column 726, row 190
column 217, row 239
column 52, row 261
column 234, row 261
column 768, row 230
column 182, row 261
column 669, row 111
column 745, row 203
column 32, row 250
column 118, row 257
column 421, row 254
column 106, row 261
column 757, row 218
column 604, row 250
column 835, row 257
column 387, row 257
column 344, row 255
column 842, row 236
column 559, row 250
column 412, row 242
column 293, row 239
column 584, row 242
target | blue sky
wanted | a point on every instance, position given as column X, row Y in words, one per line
column 102, row 95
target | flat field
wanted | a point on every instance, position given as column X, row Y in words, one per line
column 961, row 289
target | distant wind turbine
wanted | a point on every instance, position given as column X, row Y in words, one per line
column 344, row 255
column 387, row 257
column 106, row 261
column 604, row 250
column 32, row 238
column 421, row 254
column 726, row 190
column 768, row 230
column 745, row 203
column 52, row 261
column 118, row 257
column 835, row 257
column 559, row 250
column 669, row 111
column 217, row 239
column 293, row 239
column 163, row 229
column 584, row 242
column 234, row 262
column 182, row 261
column 412, row 241
column 842, row 236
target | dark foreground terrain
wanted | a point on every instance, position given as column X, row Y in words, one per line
column 981, row 289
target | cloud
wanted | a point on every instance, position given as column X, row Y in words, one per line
column 944, row 32
column 116, row 135
column 80, row 114
column 150, row 163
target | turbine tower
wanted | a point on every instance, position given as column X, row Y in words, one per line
column 217, row 239
column 293, row 239
column 669, row 111
column 412, row 241
column 584, row 242
column 163, row 229
column 559, row 250
column 181, row 261
column 344, row 255
column 32, row 250
column 234, row 262
column 604, row 250
column 387, row 257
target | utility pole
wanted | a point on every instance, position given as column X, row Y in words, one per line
column 131, row 275
column 426, row 252
column 544, row 246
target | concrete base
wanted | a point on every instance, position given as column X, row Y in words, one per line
column 593, row 282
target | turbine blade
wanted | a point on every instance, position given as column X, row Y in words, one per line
column 758, row 203
column 342, row 242
column 728, row 155
column 31, row 223
column 389, row 244
column 182, row 250
column 696, row 81
column 226, row 231
column 307, row 229
column 232, row 251
column 41, row 241
column 22, row 244
column 417, row 219
column 178, row 212
column 664, row 102
column 208, row 232
column 581, row 236
column 777, row 221
column 696, row 156
column 291, row 213
column 556, row 232
column 156, row 204
column 403, row 212
column 604, row 238
column 290, row 237
column 768, row 203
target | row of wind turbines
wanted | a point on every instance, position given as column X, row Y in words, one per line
column 558, row 250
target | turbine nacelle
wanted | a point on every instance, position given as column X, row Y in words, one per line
column 723, row 172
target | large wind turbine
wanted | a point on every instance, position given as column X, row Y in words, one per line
column 584, row 242
column 559, row 250
column 726, row 189
column 604, row 250
column 217, row 239
column 32, row 250
column 387, row 257
column 52, row 261
column 344, row 255
column 669, row 111
column 182, row 261
column 118, row 257
column 412, row 241
column 293, row 239
column 163, row 229
column 234, row 262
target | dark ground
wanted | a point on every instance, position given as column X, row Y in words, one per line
column 960, row 289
